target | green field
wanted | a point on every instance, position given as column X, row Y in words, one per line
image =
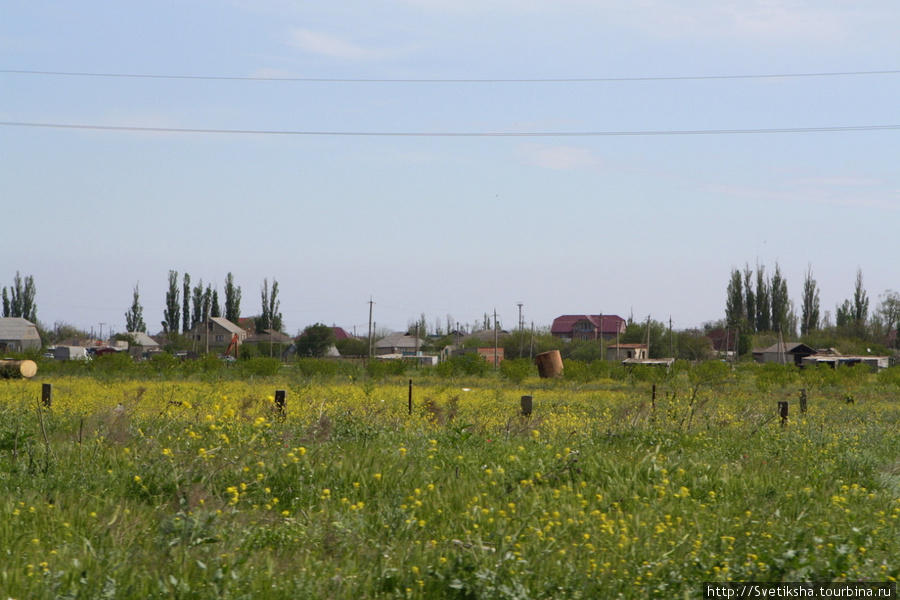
column 198, row 487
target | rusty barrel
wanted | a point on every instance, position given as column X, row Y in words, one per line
column 549, row 364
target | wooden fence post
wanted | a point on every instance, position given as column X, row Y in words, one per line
column 410, row 397
column 783, row 411
column 280, row 401
column 47, row 394
column 803, row 401
column 527, row 405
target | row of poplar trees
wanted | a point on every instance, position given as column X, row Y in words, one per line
column 765, row 306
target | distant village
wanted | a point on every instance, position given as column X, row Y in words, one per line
column 605, row 334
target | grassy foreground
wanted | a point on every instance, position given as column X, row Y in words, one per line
column 192, row 489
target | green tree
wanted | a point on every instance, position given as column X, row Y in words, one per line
column 888, row 315
column 202, row 302
column 781, row 304
column 214, row 309
column 763, row 301
column 352, row 347
column 749, row 300
column 134, row 318
column 844, row 315
column 315, row 340
column 186, row 322
column 860, row 303
column 172, row 313
column 658, row 333
column 810, row 308
column 18, row 301
column 271, row 308
column 734, row 301
column 232, row 299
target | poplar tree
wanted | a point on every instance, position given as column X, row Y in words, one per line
column 271, row 313
column 134, row 318
column 810, row 307
column 763, row 300
column 215, row 310
column 18, row 300
column 197, row 302
column 860, row 302
column 749, row 299
column 232, row 299
column 186, row 322
column 173, row 311
column 781, row 304
column 734, row 300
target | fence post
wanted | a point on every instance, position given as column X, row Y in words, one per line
column 783, row 411
column 803, row 401
column 47, row 394
column 526, row 405
column 280, row 402
column 410, row 397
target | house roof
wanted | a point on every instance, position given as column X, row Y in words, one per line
column 340, row 333
column 398, row 340
column 270, row 335
column 17, row 328
column 485, row 335
column 227, row 325
column 606, row 323
column 790, row 348
column 142, row 339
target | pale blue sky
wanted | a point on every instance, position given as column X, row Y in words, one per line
column 637, row 224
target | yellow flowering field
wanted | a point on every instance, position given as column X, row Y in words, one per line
column 646, row 488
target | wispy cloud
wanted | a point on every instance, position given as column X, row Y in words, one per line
column 329, row 45
column 677, row 19
column 560, row 158
column 848, row 191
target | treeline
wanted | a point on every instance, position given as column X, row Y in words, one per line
column 759, row 303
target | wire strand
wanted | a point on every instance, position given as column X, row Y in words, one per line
column 471, row 80
column 461, row 134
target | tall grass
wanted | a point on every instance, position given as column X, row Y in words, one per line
column 201, row 489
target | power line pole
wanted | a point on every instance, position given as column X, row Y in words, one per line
column 369, row 349
column 496, row 361
column 521, row 332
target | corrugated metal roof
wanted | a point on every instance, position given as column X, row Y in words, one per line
column 17, row 328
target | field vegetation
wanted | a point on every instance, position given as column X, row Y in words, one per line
column 191, row 480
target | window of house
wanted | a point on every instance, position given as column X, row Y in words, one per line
column 220, row 338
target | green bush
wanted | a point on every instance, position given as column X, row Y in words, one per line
column 518, row 369
column 258, row 367
column 470, row 363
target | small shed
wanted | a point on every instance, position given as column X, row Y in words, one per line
column 18, row 335
column 617, row 352
column 786, row 353
column 833, row 359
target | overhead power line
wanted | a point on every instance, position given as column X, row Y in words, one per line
column 460, row 134
column 426, row 80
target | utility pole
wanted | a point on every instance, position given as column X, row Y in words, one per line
column 671, row 339
column 521, row 331
column 648, row 336
column 370, row 329
column 531, row 351
column 496, row 341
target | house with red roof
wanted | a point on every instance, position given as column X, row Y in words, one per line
column 587, row 327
